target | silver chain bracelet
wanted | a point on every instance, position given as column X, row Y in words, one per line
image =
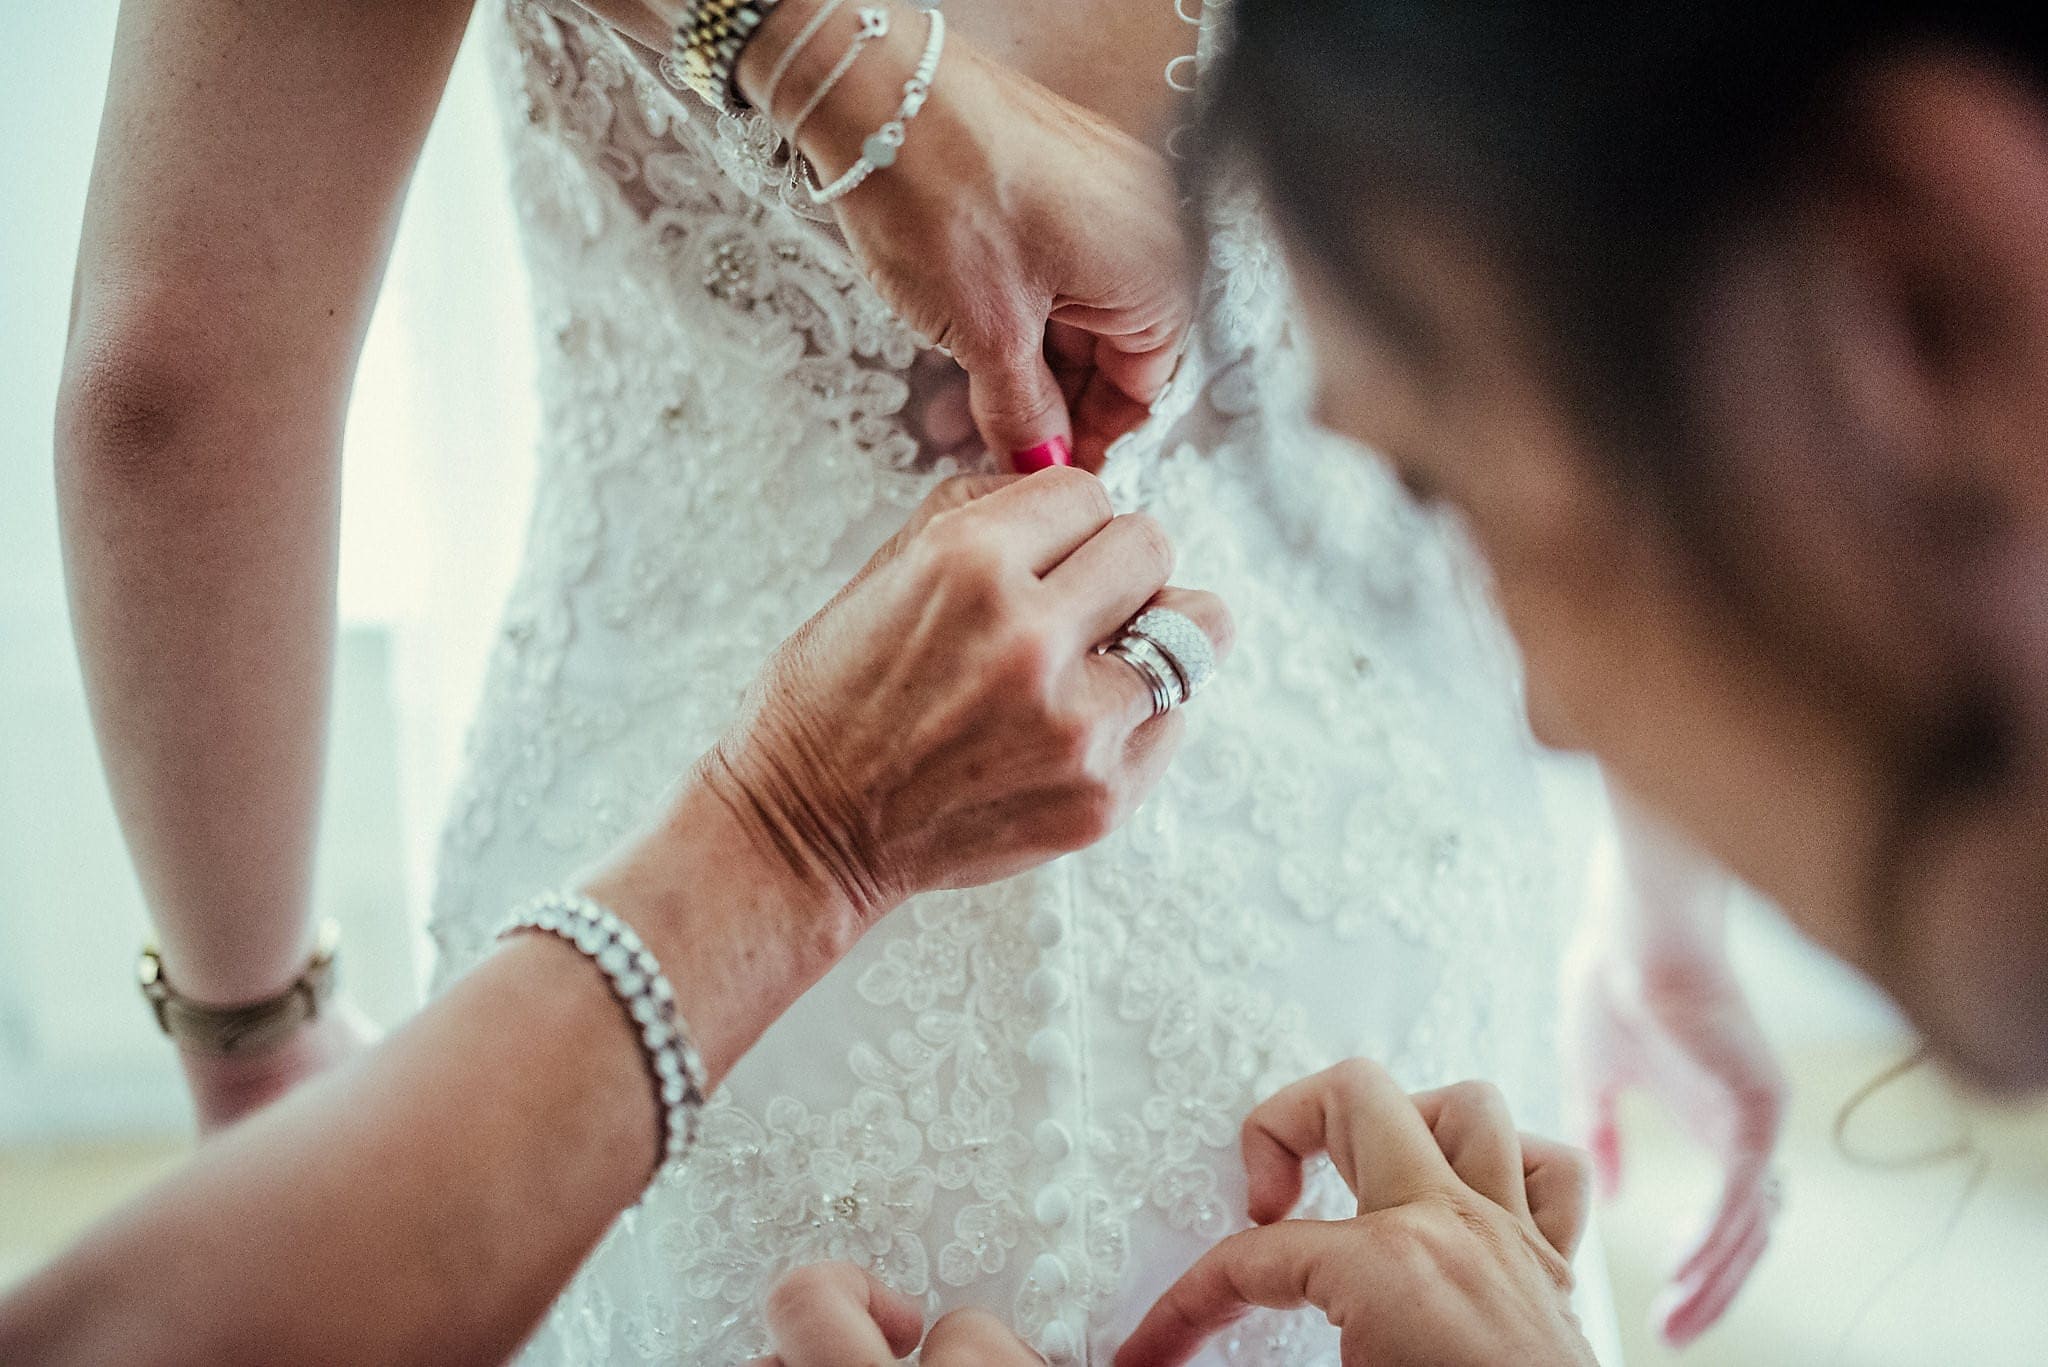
column 879, row 151
column 680, row 1078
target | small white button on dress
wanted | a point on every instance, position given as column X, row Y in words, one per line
column 1056, row 1343
column 1047, row 988
column 1046, row 928
column 1053, row 1207
column 1052, row 1050
column 1053, row 1140
column 1049, row 1272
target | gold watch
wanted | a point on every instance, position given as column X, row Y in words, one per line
column 247, row 1029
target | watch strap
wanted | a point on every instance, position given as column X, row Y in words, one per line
column 247, row 1028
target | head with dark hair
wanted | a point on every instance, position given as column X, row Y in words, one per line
column 1726, row 327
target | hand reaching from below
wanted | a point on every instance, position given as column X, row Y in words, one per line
column 1654, row 1005
column 1459, row 1256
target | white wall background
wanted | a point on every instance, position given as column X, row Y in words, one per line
column 441, row 419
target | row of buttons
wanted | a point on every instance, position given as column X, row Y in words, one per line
column 1052, row 1050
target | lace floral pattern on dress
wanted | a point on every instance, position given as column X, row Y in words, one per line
column 1026, row 1097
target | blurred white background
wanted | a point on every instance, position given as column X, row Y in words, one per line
column 1866, row 1270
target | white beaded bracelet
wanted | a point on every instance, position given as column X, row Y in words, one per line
column 879, row 151
column 637, row 981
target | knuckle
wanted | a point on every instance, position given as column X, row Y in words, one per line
column 1071, row 738
column 1153, row 546
column 961, row 563
column 1072, row 482
column 1092, row 813
column 955, row 491
column 1027, row 669
column 1356, row 1078
column 1476, row 1101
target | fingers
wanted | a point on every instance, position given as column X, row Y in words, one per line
column 1368, row 1125
column 1113, row 574
column 950, row 495
column 1103, row 412
column 975, row 1338
column 1140, row 366
column 1692, row 1306
column 1275, row 1267
column 1559, row 1180
column 1126, row 692
column 1708, row 1277
column 1017, row 403
column 1040, row 519
column 957, row 492
column 1742, row 1190
column 1476, row 1133
column 838, row 1315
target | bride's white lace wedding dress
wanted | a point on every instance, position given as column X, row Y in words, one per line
column 1025, row 1098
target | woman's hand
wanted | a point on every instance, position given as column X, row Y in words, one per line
column 1654, row 1004
column 1683, row 1031
column 1037, row 243
column 1460, row 1252
column 837, row 1315
column 946, row 721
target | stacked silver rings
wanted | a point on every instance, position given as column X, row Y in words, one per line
column 1170, row 652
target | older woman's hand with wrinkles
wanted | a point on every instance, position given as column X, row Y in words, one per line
column 1034, row 240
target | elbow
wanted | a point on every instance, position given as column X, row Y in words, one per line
column 131, row 386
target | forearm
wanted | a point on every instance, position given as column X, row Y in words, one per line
column 1674, row 904
column 201, row 565
column 427, row 1205
column 250, row 168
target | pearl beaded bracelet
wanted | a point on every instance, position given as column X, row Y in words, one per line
column 598, row 934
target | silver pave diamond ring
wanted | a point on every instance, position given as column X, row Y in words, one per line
column 1172, row 654
column 1184, row 644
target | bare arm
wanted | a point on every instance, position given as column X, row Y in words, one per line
column 251, row 164
column 427, row 1204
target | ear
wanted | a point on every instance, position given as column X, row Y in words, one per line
column 1890, row 324
column 1945, row 212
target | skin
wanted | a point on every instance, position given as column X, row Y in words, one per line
column 1029, row 224
column 1652, row 1003
column 1907, row 278
column 426, row 1204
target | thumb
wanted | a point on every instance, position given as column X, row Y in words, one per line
column 1272, row 1265
column 1020, row 411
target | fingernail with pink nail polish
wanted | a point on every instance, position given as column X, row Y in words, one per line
column 1058, row 451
